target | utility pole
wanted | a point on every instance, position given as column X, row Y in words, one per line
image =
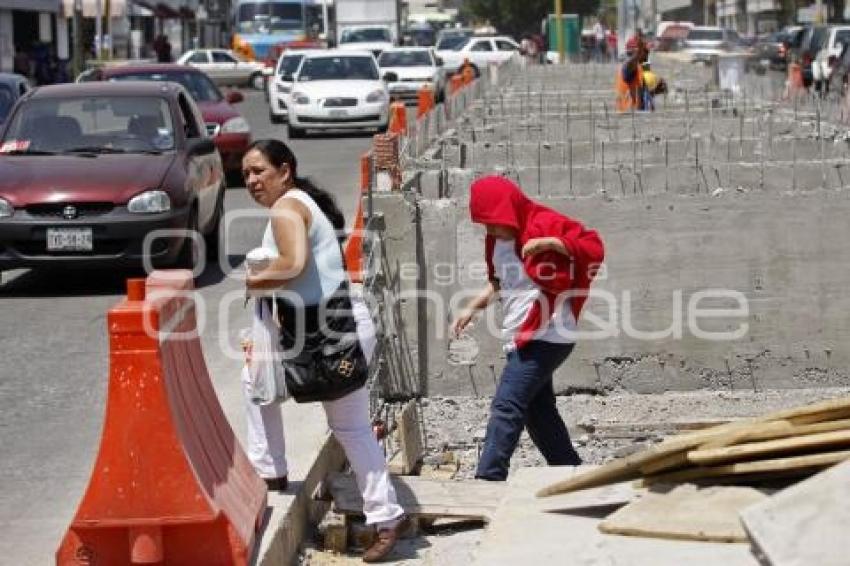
column 78, row 39
column 559, row 30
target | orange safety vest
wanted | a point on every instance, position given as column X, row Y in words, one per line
column 628, row 96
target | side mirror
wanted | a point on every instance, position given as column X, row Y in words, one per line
column 390, row 77
column 200, row 146
column 439, row 61
column 234, row 97
column 287, row 78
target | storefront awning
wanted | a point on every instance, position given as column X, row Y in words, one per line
column 51, row 6
column 117, row 8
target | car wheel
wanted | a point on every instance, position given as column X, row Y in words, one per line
column 275, row 119
column 258, row 81
column 212, row 238
column 294, row 133
column 189, row 252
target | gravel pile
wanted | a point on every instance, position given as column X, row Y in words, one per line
column 602, row 427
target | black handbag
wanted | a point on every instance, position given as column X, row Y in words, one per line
column 322, row 356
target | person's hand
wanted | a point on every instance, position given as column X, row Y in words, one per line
column 535, row 246
column 461, row 322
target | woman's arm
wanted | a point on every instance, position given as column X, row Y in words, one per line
column 479, row 302
column 290, row 220
column 545, row 244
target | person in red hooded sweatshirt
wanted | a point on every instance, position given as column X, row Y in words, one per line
column 540, row 265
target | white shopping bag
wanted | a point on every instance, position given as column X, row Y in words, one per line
column 266, row 377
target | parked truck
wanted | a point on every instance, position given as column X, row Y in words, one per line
column 368, row 25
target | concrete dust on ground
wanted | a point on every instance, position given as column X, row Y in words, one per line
column 446, row 542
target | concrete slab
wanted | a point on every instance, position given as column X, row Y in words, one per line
column 525, row 530
column 806, row 523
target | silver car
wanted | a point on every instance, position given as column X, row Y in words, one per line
column 705, row 42
column 224, row 67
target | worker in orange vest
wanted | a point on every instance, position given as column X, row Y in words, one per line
column 629, row 81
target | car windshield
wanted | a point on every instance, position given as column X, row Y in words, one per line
column 705, row 35
column 405, row 59
column 7, row 100
column 365, row 34
column 453, row 42
column 199, row 86
column 99, row 124
column 338, row 68
column 289, row 64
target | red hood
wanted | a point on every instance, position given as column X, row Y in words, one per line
column 33, row 179
column 218, row 112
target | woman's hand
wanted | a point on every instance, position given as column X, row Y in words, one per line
column 462, row 321
column 546, row 244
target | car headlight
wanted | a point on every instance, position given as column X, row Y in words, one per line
column 236, row 125
column 6, row 209
column 150, row 202
column 376, row 96
column 300, row 98
column 284, row 89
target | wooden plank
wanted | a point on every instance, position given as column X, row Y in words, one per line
column 425, row 498
column 751, row 450
column 629, row 467
column 410, row 436
column 794, row 463
column 686, row 513
column 785, row 432
column 671, row 462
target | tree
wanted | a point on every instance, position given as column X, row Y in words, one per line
column 521, row 17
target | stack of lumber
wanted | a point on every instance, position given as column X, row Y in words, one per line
column 793, row 442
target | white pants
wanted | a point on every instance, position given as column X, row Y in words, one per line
column 348, row 419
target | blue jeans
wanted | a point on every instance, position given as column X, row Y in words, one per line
column 525, row 398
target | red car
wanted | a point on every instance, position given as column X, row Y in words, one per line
column 89, row 171
column 229, row 129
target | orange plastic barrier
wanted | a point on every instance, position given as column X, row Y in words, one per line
column 425, row 101
column 398, row 118
column 354, row 246
column 170, row 485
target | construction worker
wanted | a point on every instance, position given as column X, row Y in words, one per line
column 629, row 81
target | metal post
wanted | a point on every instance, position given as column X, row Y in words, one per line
column 559, row 30
column 77, row 61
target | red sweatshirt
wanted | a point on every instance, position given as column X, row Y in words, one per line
column 496, row 200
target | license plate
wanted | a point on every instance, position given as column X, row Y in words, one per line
column 69, row 239
column 338, row 113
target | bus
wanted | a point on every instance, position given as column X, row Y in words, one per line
column 259, row 25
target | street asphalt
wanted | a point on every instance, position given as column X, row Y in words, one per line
column 54, row 368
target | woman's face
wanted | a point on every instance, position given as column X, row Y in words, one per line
column 500, row 232
column 264, row 181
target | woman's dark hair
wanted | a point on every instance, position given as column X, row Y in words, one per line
column 278, row 154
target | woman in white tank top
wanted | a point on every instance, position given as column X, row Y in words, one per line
column 303, row 227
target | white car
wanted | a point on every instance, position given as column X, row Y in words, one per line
column 337, row 89
column 280, row 84
column 366, row 38
column 837, row 37
column 225, row 67
column 481, row 51
column 414, row 67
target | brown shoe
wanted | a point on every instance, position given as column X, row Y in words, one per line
column 385, row 541
column 277, row 484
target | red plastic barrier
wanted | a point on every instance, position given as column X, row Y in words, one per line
column 398, row 118
column 170, row 485
column 425, row 101
column 796, row 86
